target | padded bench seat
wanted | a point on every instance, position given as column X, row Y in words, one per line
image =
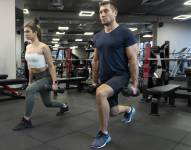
column 162, row 91
column 12, row 81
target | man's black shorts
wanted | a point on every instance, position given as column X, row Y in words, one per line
column 116, row 83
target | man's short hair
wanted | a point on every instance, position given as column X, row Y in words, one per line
column 111, row 3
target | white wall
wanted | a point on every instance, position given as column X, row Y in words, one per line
column 81, row 53
column 18, row 49
column 7, row 39
column 179, row 35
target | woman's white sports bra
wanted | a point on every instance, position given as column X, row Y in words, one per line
column 35, row 60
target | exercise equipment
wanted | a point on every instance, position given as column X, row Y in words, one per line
column 188, row 77
column 55, row 92
column 156, row 68
column 183, row 58
column 128, row 91
column 167, row 91
column 83, row 72
column 92, row 89
column 68, row 61
column 73, row 80
column 6, row 90
column 185, row 92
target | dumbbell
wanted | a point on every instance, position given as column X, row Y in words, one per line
column 128, row 91
column 92, row 89
column 59, row 90
column 49, row 88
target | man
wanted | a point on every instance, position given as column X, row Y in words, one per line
column 115, row 61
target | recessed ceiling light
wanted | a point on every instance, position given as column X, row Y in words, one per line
column 187, row 2
column 133, row 29
column 63, row 28
column 54, row 42
column 55, row 39
column 56, row 45
column 147, row 36
column 86, row 13
column 60, row 33
column 25, row 11
column 73, row 47
column 88, row 33
column 152, row 2
column 78, row 40
column 99, row 0
column 182, row 17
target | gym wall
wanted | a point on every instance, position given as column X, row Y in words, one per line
column 179, row 35
column 18, row 49
column 7, row 39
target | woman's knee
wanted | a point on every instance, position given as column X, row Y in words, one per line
column 48, row 104
column 30, row 90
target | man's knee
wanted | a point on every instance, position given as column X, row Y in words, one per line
column 104, row 91
column 100, row 93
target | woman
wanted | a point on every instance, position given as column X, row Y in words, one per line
column 42, row 75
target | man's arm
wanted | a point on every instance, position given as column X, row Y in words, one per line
column 132, row 53
column 95, row 67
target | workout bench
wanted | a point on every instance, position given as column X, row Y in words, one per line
column 184, row 93
column 167, row 91
column 8, row 91
column 77, row 80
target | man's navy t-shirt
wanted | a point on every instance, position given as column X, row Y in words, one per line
column 111, row 46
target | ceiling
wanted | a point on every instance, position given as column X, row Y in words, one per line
column 133, row 13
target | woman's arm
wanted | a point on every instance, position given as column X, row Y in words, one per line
column 48, row 58
column 30, row 76
column 29, row 69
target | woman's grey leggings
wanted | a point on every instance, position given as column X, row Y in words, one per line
column 41, row 85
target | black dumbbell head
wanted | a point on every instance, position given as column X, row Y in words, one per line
column 128, row 91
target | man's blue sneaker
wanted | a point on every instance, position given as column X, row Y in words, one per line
column 100, row 140
column 128, row 116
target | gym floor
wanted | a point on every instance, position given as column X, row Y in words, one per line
column 76, row 129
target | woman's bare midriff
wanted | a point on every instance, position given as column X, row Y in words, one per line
column 38, row 70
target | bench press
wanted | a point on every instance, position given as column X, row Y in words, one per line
column 167, row 91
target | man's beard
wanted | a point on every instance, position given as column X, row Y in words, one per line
column 107, row 23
